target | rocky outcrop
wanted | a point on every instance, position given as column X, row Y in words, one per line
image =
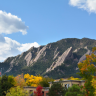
column 28, row 58
column 44, row 54
column 84, row 56
column 39, row 53
column 6, row 59
column 55, row 56
column 49, row 46
column 60, row 60
column 85, row 47
column 55, row 53
column 21, row 55
column 11, row 66
column 31, row 48
column 76, row 50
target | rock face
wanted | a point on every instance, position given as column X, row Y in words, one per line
column 84, row 56
column 39, row 53
column 55, row 53
column 11, row 66
column 60, row 59
column 28, row 58
column 76, row 50
column 21, row 55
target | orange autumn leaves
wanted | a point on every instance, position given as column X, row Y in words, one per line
column 87, row 70
column 19, row 81
column 86, row 65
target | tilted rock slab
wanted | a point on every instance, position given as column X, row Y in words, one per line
column 60, row 60
column 84, row 56
column 28, row 58
column 11, row 66
column 55, row 53
column 40, row 53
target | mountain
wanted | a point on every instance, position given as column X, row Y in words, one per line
column 57, row 60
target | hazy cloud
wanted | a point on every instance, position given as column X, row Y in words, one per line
column 88, row 5
column 9, row 47
column 10, row 24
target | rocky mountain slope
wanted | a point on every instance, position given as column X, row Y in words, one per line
column 57, row 59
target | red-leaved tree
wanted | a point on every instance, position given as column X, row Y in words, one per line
column 38, row 91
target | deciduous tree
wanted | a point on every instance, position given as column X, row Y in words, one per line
column 38, row 91
column 17, row 91
column 6, row 82
column 87, row 70
column 32, row 80
column 19, row 81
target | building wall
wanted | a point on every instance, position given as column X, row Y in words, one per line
column 32, row 89
column 70, row 83
column 45, row 93
column 82, row 83
column 64, row 84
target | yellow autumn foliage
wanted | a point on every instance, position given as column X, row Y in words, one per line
column 72, row 78
column 32, row 80
column 94, row 84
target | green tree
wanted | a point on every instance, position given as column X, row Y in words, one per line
column 17, row 91
column 5, row 84
column 44, row 82
column 57, row 90
column 75, row 90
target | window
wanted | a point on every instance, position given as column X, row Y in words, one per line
column 65, row 85
column 43, row 93
column 68, row 85
column 31, row 92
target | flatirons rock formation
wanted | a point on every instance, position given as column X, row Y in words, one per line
column 57, row 60
column 60, row 59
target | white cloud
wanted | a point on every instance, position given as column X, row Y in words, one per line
column 10, row 24
column 88, row 5
column 9, row 47
column 27, row 46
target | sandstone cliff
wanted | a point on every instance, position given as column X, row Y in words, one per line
column 60, row 59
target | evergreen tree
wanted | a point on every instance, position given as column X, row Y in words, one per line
column 5, row 84
column 57, row 90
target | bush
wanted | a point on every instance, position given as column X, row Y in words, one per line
column 75, row 90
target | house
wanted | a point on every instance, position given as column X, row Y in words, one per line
column 65, row 83
column 69, row 83
column 32, row 89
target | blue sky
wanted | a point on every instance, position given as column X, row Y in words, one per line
column 27, row 23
